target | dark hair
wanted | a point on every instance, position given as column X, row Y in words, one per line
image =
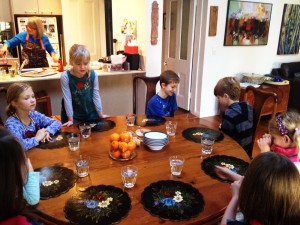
column 13, row 93
column 230, row 86
column 270, row 192
column 169, row 76
column 13, row 172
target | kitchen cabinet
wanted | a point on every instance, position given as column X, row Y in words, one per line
column 42, row 7
column 282, row 91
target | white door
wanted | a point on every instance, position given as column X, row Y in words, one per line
column 179, row 38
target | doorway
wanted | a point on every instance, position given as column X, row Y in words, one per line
column 178, row 40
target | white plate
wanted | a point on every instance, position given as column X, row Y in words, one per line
column 156, row 135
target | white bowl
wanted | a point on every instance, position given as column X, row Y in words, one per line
column 156, row 148
column 155, row 140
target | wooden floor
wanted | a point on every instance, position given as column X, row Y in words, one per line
column 262, row 129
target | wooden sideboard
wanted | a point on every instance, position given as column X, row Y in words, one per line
column 283, row 93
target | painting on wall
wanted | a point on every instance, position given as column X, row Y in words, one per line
column 290, row 30
column 247, row 23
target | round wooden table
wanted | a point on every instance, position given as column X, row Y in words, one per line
column 152, row 166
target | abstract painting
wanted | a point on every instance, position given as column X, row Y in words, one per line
column 247, row 23
column 290, row 30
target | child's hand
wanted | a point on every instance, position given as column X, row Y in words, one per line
column 40, row 134
column 235, row 187
column 225, row 173
column 69, row 123
column 264, row 143
column 102, row 116
column 47, row 137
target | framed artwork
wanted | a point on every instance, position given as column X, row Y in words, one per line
column 290, row 30
column 247, row 23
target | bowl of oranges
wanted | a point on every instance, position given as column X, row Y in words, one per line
column 123, row 146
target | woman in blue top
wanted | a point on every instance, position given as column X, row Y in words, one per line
column 164, row 102
column 80, row 89
column 19, row 182
column 34, row 43
column 27, row 125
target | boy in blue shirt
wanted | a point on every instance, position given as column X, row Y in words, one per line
column 164, row 102
column 237, row 117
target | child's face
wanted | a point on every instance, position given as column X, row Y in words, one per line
column 80, row 69
column 223, row 101
column 281, row 141
column 26, row 101
column 169, row 89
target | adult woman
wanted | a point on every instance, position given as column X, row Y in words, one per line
column 34, row 43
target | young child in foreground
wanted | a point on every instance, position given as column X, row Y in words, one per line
column 268, row 194
column 237, row 117
column 164, row 102
column 27, row 125
column 19, row 183
column 80, row 89
column 284, row 136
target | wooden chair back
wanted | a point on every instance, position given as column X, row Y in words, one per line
column 151, row 83
column 3, row 91
column 257, row 99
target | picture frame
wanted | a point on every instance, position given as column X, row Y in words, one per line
column 289, row 39
column 247, row 23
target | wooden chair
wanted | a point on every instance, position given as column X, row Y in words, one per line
column 257, row 99
column 150, row 89
column 3, row 90
column 44, row 100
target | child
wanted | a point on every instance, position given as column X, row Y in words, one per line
column 80, row 89
column 237, row 117
column 27, row 125
column 284, row 136
column 18, row 180
column 268, row 194
column 164, row 103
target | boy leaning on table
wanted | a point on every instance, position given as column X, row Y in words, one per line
column 237, row 117
column 164, row 102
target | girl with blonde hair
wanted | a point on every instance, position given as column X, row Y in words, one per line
column 283, row 136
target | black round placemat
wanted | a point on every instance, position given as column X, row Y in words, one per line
column 59, row 140
column 234, row 164
column 100, row 125
column 172, row 200
column 55, row 180
column 102, row 204
column 195, row 134
column 144, row 121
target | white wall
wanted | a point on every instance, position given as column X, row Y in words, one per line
column 220, row 61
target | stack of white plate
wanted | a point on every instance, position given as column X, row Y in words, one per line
column 155, row 140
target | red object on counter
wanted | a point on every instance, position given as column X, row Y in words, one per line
column 131, row 49
column 60, row 66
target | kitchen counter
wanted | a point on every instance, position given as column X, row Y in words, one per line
column 7, row 79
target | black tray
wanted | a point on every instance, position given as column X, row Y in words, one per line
column 144, row 121
column 59, row 140
column 236, row 165
column 195, row 134
column 100, row 125
column 172, row 200
column 55, row 180
column 83, row 208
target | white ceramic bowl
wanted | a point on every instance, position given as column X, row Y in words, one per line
column 155, row 140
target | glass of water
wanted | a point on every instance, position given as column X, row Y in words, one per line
column 74, row 141
column 85, row 130
column 207, row 144
column 82, row 165
column 176, row 164
column 129, row 174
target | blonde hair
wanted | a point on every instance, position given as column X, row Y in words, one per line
column 78, row 54
column 287, row 123
column 13, row 93
column 37, row 24
column 230, row 86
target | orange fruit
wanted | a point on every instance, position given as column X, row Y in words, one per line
column 125, row 137
column 114, row 145
column 116, row 153
column 131, row 146
column 126, row 154
column 115, row 137
column 123, row 146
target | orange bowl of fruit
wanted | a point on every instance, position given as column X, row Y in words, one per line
column 123, row 146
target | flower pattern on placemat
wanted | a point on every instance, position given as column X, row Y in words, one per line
column 55, row 181
column 236, row 165
column 100, row 204
column 195, row 134
column 172, row 200
column 58, row 140
column 143, row 120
